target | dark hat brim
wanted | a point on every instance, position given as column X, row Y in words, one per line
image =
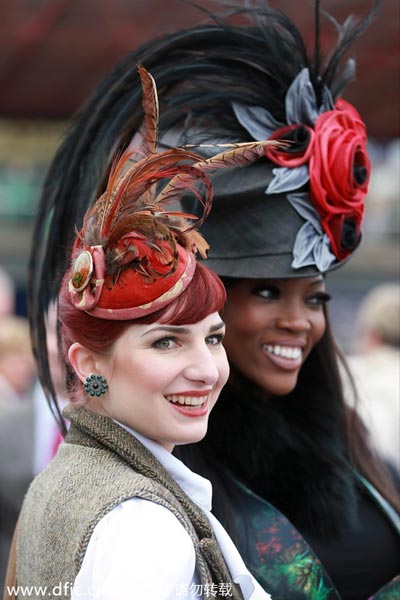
column 276, row 266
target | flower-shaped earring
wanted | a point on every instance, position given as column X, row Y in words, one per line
column 95, row 385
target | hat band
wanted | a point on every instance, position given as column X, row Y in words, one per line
column 123, row 314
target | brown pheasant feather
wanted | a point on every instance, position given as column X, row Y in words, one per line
column 130, row 204
column 149, row 129
column 239, row 155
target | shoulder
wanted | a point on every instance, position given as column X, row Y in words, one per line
column 141, row 546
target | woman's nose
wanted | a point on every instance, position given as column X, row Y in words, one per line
column 202, row 366
column 293, row 319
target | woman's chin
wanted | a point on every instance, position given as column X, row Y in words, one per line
column 191, row 437
column 278, row 385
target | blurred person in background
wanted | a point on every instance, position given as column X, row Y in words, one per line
column 17, row 367
column 17, row 374
column 7, row 294
column 376, row 368
column 29, row 438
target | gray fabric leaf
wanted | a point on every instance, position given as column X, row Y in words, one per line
column 304, row 245
column 256, row 120
column 312, row 248
column 300, row 101
column 302, row 204
column 287, row 179
column 324, row 258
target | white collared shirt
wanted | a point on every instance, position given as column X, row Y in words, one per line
column 141, row 550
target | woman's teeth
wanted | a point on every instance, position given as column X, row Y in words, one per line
column 290, row 352
column 187, row 400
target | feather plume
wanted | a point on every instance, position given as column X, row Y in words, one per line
column 129, row 204
column 126, row 212
column 238, row 155
column 132, row 186
column 149, row 129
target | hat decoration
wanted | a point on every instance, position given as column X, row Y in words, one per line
column 327, row 151
column 134, row 255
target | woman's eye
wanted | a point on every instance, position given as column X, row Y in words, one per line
column 214, row 340
column 165, row 343
column 319, row 299
column 269, row 293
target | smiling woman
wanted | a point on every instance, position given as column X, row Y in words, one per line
column 272, row 326
column 158, row 376
column 142, row 340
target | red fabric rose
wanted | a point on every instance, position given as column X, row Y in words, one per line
column 339, row 172
column 344, row 231
column 298, row 150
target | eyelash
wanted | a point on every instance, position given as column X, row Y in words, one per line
column 317, row 299
column 218, row 336
column 158, row 343
column 273, row 292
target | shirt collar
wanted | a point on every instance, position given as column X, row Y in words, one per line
column 196, row 487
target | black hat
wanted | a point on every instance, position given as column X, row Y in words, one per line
column 255, row 234
column 299, row 212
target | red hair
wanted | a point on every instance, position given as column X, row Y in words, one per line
column 204, row 295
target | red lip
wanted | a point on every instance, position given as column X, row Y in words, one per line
column 199, row 411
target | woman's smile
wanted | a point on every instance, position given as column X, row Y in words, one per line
column 190, row 403
column 285, row 355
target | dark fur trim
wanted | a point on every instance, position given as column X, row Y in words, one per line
column 304, row 471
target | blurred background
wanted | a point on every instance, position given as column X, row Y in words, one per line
column 54, row 52
column 52, row 55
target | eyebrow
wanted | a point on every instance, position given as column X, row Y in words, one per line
column 182, row 330
column 217, row 326
column 318, row 281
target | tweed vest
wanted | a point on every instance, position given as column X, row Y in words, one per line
column 98, row 467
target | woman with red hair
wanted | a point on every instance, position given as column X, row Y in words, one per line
column 116, row 514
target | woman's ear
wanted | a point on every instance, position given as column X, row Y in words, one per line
column 82, row 361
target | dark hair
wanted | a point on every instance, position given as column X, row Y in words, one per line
column 204, row 295
column 333, row 366
column 320, row 381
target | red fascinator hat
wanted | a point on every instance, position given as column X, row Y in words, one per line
column 134, row 254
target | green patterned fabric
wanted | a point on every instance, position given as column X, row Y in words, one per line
column 391, row 591
column 280, row 558
column 277, row 555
